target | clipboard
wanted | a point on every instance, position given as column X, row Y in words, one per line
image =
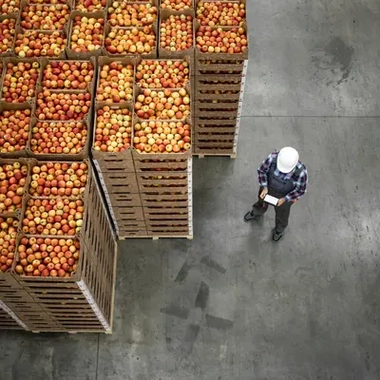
column 271, row 200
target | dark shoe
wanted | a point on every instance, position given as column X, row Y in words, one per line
column 277, row 235
column 249, row 216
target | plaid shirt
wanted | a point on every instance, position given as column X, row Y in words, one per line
column 300, row 182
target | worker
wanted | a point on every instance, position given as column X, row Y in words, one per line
column 284, row 177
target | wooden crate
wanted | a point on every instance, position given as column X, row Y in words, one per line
column 123, row 199
column 153, row 29
column 161, row 162
column 172, row 182
column 174, row 228
column 165, row 214
column 32, row 315
column 112, row 161
column 90, row 87
column 12, row 107
column 83, row 154
column 204, row 56
column 160, row 200
column 22, row 161
column 11, row 291
column 82, row 302
column 14, row 16
column 125, row 61
column 206, row 104
column 177, row 54
column 214, row 137
column 8, row 320
column 141, row 60
column 71, row 54
column 118, row 181
column 219, row 67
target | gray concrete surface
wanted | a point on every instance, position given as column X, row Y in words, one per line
column 231, row 304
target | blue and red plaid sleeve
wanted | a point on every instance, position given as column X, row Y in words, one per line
column 263, row 170
column 300, row 189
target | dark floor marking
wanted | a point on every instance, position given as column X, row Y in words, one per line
column 213, row 264
column 183, row 272
column 202, row 296
column 341, row 55
column 191, row 336
column 176, row 311
column 218, row 323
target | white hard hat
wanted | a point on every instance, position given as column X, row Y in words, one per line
column 287, row 159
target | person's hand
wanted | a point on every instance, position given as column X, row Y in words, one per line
column 264, row 192
column 280, row 202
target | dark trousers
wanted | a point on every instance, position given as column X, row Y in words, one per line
column 282, row 212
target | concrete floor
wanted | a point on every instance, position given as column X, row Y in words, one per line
column 233, row 305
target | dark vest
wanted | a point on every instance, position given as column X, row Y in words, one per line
column 279, row 187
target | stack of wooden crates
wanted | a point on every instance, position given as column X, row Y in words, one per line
column 80, row 303
column 148, row 195
column 219, row 81
column 219, row 88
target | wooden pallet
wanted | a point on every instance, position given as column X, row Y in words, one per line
column 203, row 155
column 188, row 237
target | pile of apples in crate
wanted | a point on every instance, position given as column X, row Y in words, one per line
column 158, row 114
column 221, row 27
column 52, row 211
column 43, row 115
column 13, row 180
column 62, row 109
column 52, row 217
column 52, row 116
column 44, row 202
column 131, row 28
column 220, row 66
column 96, row 27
